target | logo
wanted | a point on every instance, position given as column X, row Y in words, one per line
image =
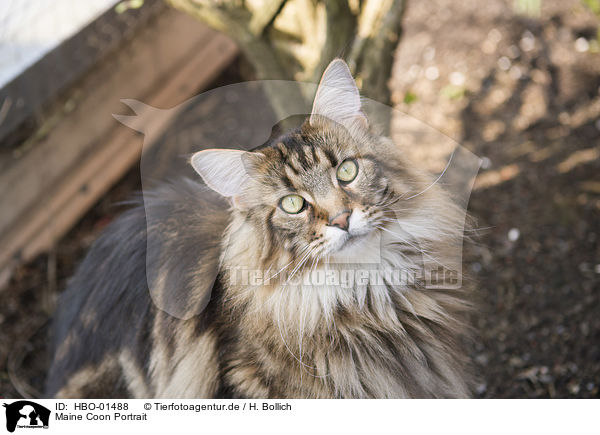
column 26, row 414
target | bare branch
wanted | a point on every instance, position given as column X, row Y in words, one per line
column 371, row 57
column 264, row 17
column 340, row 28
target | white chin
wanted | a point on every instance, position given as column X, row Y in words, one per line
column 336, row 239
column 363, row 248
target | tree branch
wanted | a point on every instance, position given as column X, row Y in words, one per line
column 372, row 54
column 264, row 17
column 340, row 28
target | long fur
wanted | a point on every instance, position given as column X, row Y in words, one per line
column 293, row 329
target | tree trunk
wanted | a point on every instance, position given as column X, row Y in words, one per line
column 296, row 39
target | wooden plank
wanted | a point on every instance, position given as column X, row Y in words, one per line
column 133, row 73
column 61, row 177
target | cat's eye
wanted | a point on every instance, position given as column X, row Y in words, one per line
column 347, row 171
column 292, row 204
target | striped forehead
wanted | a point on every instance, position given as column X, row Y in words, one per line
column 303, row 165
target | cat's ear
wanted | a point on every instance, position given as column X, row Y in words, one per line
column 338, row 97
column 224, row 171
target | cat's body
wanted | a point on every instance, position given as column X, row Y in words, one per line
column 108, row 334
column 278, row 338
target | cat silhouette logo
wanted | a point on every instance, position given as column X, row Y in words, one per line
column 26, row 414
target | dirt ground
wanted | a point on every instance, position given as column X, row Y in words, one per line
column 524, row 95
column 518, row 93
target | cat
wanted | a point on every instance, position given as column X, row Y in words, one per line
column 332, row 196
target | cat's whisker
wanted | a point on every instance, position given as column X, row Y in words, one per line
column 310, row 252
column 278, row 311
column 268, row 279
column 260, row 306
column 300, row 264
column 418, row 248
column 301, row 332
column 447, row 230
column 332, row 317
column 436, row 180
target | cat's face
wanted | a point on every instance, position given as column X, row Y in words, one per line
column 320, row 190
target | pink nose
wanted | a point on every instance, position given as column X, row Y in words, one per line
column 341, row 220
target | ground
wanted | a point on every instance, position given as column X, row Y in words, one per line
column 524, row 95
column 518, row 93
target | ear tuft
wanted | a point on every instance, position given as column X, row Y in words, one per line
column 338, row 97
column 222, row 170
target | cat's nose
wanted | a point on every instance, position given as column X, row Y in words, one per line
column 341, row 220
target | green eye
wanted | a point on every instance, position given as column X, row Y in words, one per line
column 292, row 204
column 347, row 171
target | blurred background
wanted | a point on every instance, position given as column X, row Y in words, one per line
column 515, row 82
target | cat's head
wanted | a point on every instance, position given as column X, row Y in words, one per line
column 323, row 188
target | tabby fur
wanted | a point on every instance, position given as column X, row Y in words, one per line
column 285, row 336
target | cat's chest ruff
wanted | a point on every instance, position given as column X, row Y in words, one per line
column 339, row 284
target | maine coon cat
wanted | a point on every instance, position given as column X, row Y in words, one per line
column 330, row 196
